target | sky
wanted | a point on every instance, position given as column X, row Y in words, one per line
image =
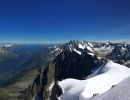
column 50, row 21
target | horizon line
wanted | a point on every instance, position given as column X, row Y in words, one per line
column 61, row 42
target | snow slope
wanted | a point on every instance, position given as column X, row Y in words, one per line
column 77, row 51
column 112, row 74
column 119, row 92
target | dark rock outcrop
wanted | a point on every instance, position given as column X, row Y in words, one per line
column 56, row 92
column 69, row 64
column 40, row 87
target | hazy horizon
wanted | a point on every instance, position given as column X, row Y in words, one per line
column 62, row 42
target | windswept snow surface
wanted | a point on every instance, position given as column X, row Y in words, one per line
column 119, row 92
column 89, row 48
column 90, row 44
column 91, row 54
column 96, row 71
column 112, row 74
column 81, row 46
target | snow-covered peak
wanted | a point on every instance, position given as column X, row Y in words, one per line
column 73, row 45
column 79, row 45
column 90, row 44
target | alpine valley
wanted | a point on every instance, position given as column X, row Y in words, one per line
column 76, row 70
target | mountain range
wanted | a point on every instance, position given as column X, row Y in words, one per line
column 76, row 70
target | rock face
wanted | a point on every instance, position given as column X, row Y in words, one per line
column 56, row 92
column 72, row 65
column 44, row 86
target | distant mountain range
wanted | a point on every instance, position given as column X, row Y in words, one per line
column 118, row 52
column 76, row 70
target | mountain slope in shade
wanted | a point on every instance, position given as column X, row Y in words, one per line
column 109, row 76
column 119, row 92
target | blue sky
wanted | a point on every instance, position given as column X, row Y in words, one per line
column 64, row 20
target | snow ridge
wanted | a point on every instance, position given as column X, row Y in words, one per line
column 113, row 74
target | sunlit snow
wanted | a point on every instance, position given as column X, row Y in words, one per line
column 112, row 74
